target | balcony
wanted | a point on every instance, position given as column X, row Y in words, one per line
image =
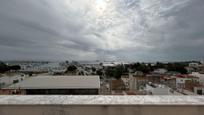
column 101, row 105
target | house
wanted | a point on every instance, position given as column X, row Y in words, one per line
column 117, row 85
column 154, row 77
column 157, row 89
column 169, row 81
column 184, row 81
column 137, row 82
column 201, row 68
column 192, row 67
column 199, row 90
column 200, row 76
column 126, row 80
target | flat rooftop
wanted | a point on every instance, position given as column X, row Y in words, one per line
column 58, row 82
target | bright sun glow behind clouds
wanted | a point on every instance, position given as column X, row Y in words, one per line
column 100, row 6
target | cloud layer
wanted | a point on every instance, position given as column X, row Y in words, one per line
column 133, row 30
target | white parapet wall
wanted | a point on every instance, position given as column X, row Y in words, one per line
column 101, row 105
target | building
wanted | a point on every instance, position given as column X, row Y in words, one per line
column 137, row 82
column 154, row 77
column 67, row 85
column 117, row 85
column 200, row 76
column 195, row 65
column 134, row 81
column 41, row 67
column 186, row 82
column 169, row 81
column 199, row 90
column 160, row 71
column 190, row 70
column 126, row 80
column 190, row 84
column 201, row 68
column 157, row 89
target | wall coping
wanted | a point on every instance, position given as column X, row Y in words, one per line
column 99, row 100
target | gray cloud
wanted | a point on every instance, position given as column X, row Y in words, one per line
column 134, row 30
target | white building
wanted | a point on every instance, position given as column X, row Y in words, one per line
column 126, row 80
column 181, row 80
column 200, row 77
column 42, row 67
column 160, row 71
column 155, row 89
column 134, row 81
column 193, row 65
column 137, row 82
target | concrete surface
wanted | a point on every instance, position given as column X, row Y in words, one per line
column 101, row 105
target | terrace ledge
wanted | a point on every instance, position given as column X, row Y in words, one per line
column 99, row 100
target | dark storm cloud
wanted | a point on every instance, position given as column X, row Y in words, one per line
column 133, row 30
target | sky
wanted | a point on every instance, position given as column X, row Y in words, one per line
column 128, row 30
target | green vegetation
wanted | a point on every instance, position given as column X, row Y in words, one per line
column 4, row 68
column 179, row 67
column 147, row 67
column 99, row 72
column 115, row 72
column 93, row 69
column 71, row 68
column 81, row 73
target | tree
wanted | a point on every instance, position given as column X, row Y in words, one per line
column 93, row 69
column 3, row 67
column 109, row 72
column 145, row 68
column 81, row 73
column 118, row 71
column 179, row 67
column 101, row 64
column 15, row 67
column 67, row 62
column 115, row 72
column 71, row 68
column 159, row 65
column 99, row 72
